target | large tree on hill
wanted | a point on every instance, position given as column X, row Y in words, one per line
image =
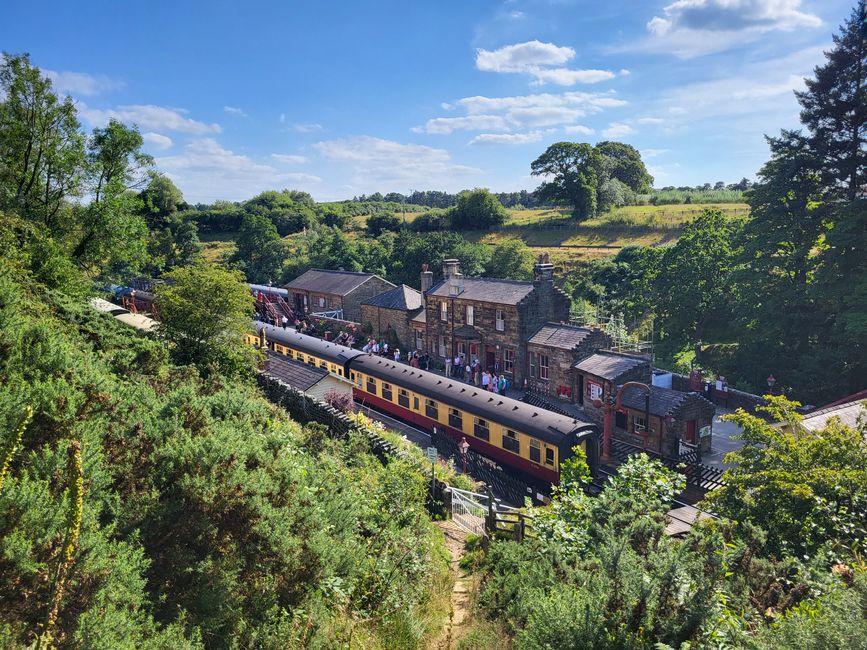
column 588, row 178
column 572, row 168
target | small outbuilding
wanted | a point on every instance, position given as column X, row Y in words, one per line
column 673, row 417
column 340, row 292
column 313, row 381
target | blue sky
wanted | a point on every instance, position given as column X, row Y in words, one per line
column 343, row 98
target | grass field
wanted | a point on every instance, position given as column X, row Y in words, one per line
column 552, row 231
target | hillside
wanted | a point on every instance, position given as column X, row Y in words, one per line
column 147, row 506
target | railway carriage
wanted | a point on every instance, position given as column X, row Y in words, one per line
column 525, row 438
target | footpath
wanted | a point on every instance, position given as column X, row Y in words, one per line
column 455, row 626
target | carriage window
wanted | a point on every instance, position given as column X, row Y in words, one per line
column 456, row 419
column 480, row 429
column 311, row 361
column 415, row 403
column 431, row 409
column 535, row 451
column 510, row 441
column 371, row 386
column 386, row 391
column 323, row 365
column 403, row 397
column 549, row 456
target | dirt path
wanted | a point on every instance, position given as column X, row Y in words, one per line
column 460, row 609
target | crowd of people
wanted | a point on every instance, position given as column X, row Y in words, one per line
column 470, row 371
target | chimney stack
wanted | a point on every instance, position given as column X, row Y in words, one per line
column 543, row 271
column 450, row 268
column 426, row 279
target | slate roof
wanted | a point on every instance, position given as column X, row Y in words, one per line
column 500, row 292
column 848, row 412
column 339, row 283
column 663, row 401
column 609, row 365
column 564, row 337
column 401, row 297
column 467, row 332
column 420, row 317
column 298, row 375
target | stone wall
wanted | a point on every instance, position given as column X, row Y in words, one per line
column 381, row 319
column 640, row 373
column 735, row 399
column 560, row 361
column 352, row 301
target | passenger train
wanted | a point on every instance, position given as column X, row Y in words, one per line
column 526, row 438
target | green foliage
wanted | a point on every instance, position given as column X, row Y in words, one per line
column 805, row 488
column 591, row 179
column 477, row 210
column 692, row 287
column 512, row 259
column 205, row 312
column 384, row 221
column 206, row 519
column 260, row 252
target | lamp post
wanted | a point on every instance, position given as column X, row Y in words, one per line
column 463, row 447
column 771, row 381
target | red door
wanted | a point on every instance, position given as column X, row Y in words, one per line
column 490, row 357
column 690, row 431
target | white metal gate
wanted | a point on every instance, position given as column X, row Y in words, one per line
column 469, row 510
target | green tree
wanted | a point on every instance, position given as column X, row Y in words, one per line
column 477, row 209
column 573, row 172
column 260, row 253
column 834, row 109
column 161, row 199
column 512, row 259
column 205, row 312
column 804, row 488
column 111, row 232
column 42, row 151
column 384, row 221
column 622, row 162
column 693, row 286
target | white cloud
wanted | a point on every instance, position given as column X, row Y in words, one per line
column 588, row 102
column 157, row 140
column 81, row 83
column 446, row 125
column 232, row 110
column 377, row 163
column 695, row 27
column 300, row 127
column 205, row 171
column 523, row 57
column 543, row 115
column 542, row 61
column 650, row 120
column 506, row 138
column 652, row 153
column 617, row 130
column 579, row 129
column 289, row 158
column 624, row 72
column 147, row 116
column 567, row 77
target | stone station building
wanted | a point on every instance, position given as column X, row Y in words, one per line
column 319, row 290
